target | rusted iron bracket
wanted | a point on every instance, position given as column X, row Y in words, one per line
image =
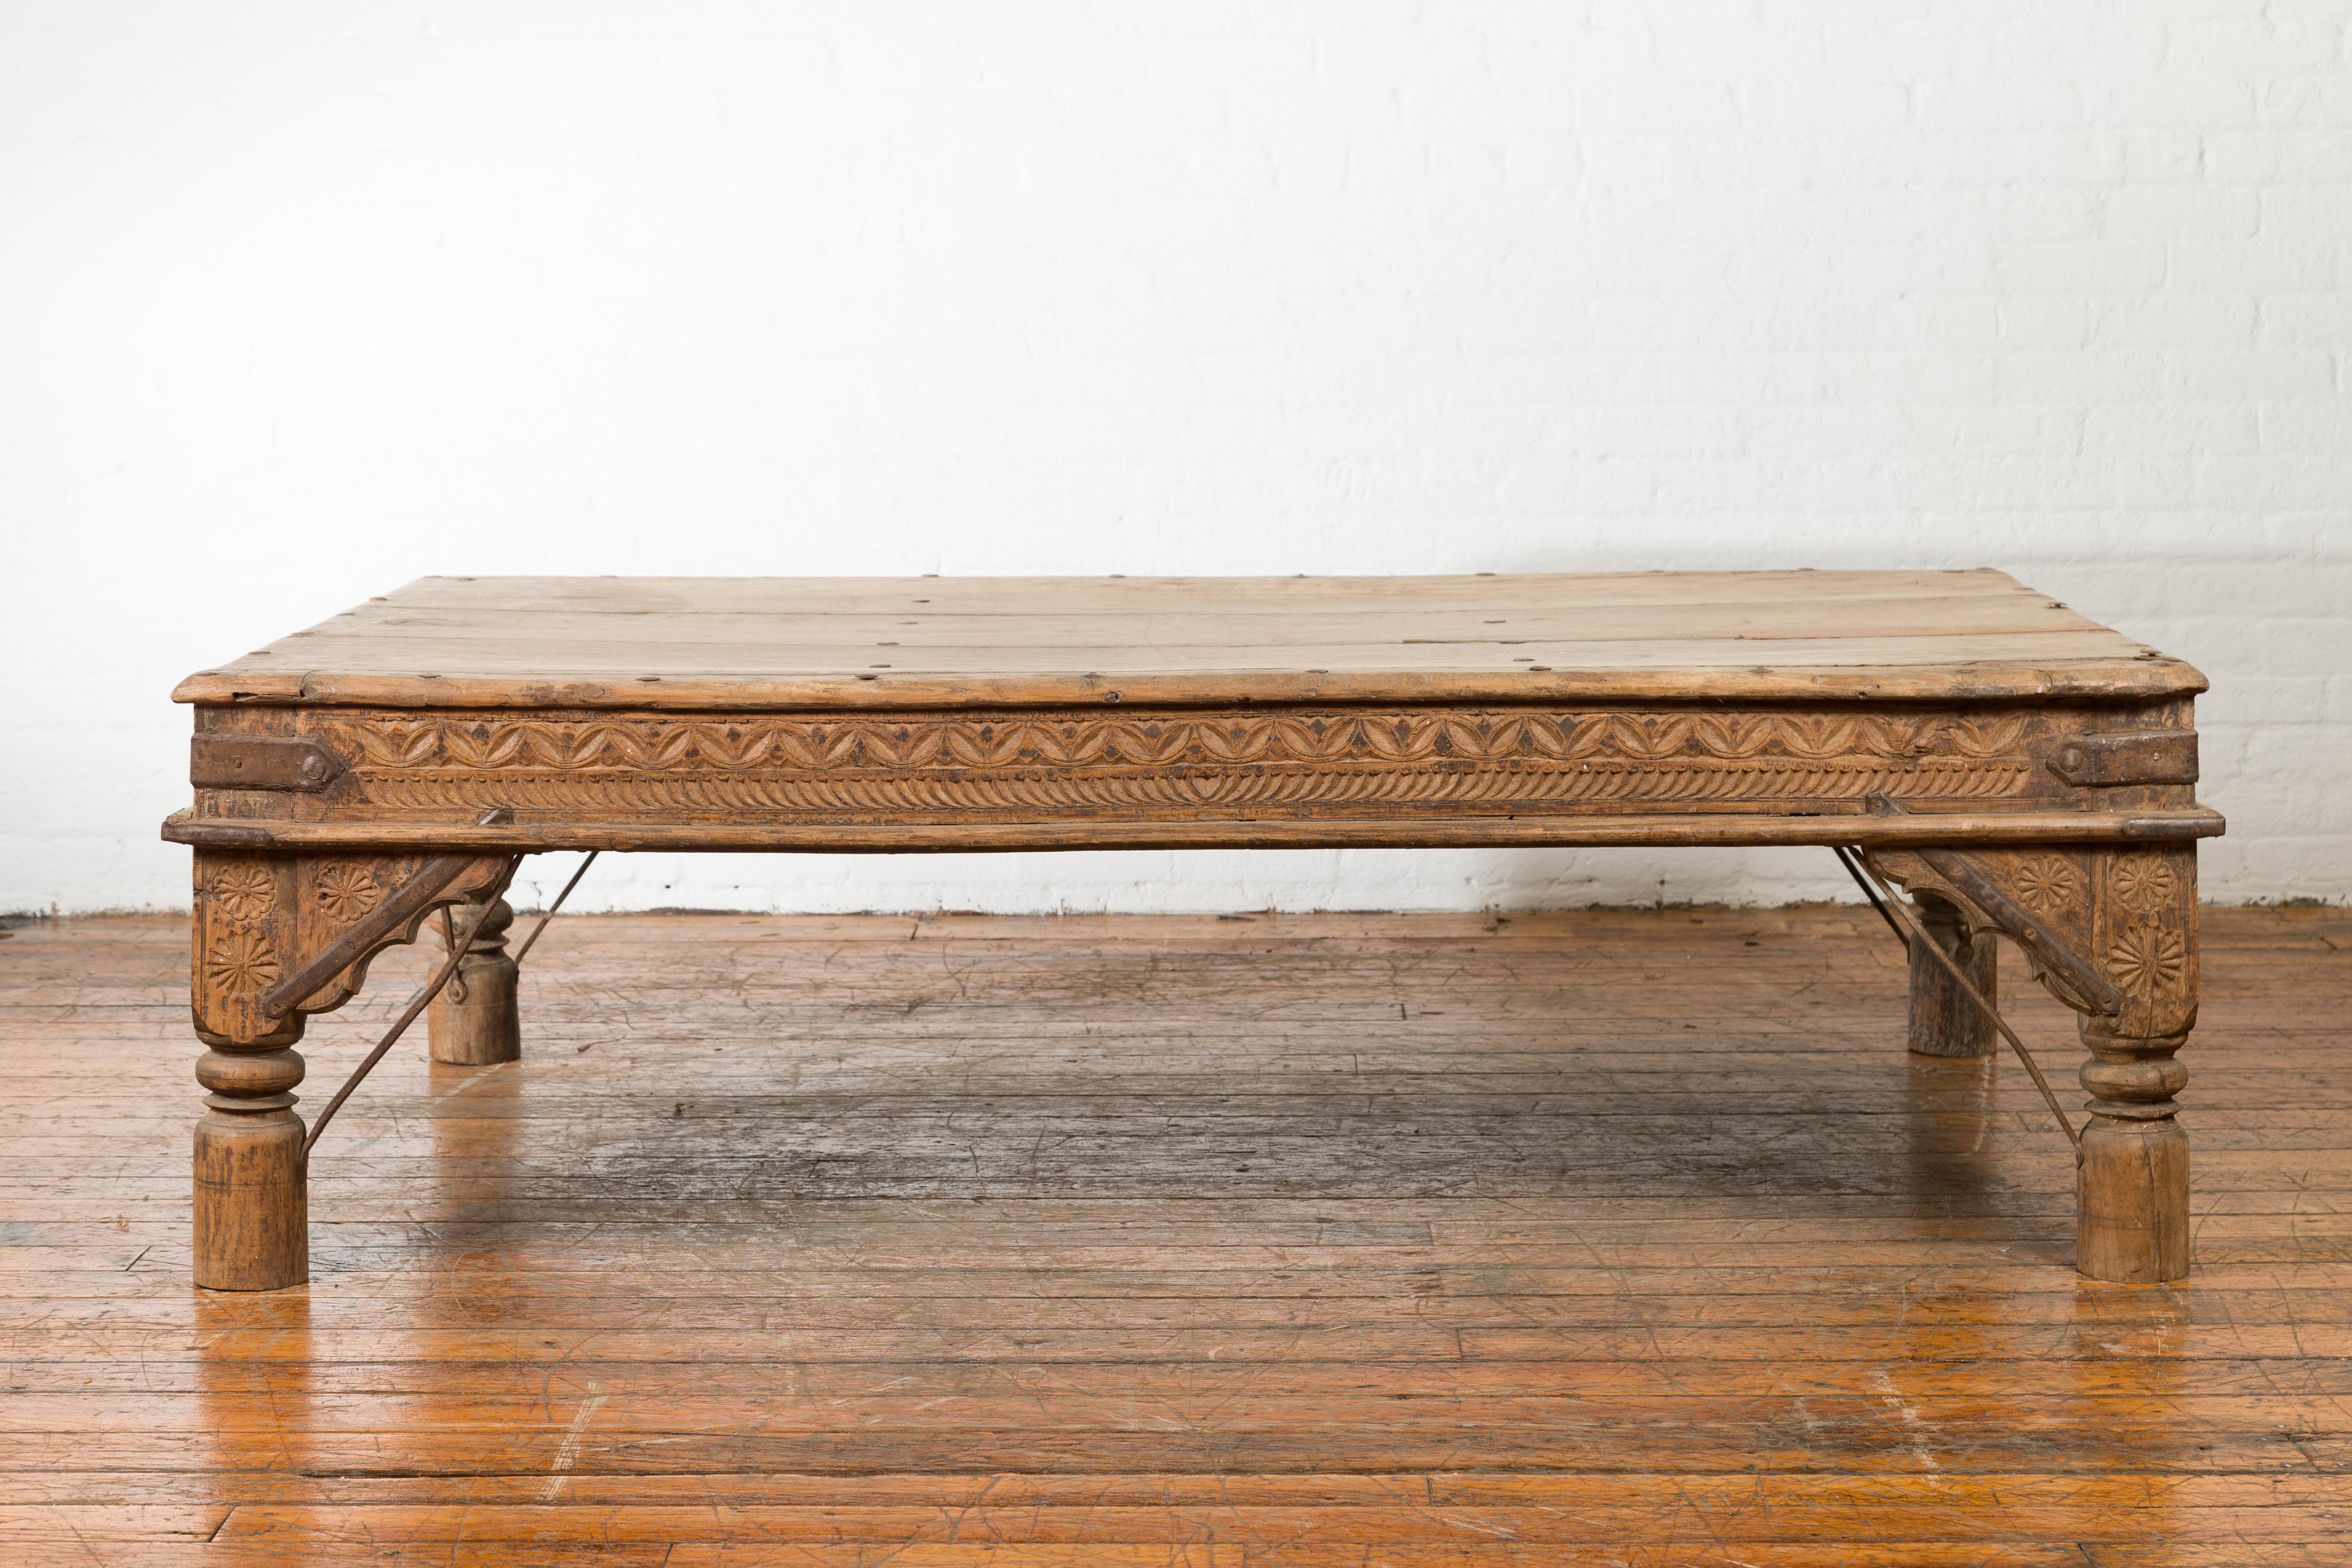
column 524, row 952
column 261, row 761
column 404, row 903
column 1917, row 939
column 416, row 1005
column 2150, row 757
column 1847, row 858
column 449, row 932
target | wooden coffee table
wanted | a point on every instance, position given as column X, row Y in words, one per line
column 2017, row 768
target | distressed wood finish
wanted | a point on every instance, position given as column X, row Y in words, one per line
column 1962, row 727
column 1623, row 1237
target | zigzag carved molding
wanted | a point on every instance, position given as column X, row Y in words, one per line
column 917, row 765
column 966, row 740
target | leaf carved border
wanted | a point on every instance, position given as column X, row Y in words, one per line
column 1147, row 765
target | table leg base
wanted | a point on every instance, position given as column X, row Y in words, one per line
column 1945, row 1020
column 484, row 1028
column 475, row 1022
column 253, row 1220
column 2131, row 1201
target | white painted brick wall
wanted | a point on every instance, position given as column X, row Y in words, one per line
column 297, row 302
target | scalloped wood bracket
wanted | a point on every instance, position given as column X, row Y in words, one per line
column 279, row 937
column 2109, row 931
column 2112, row 933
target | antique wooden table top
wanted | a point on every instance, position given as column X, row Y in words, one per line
column 2013, row 767
column 978, row 713
column 851, row 642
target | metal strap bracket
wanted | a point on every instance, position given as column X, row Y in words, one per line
column 458, row 948
column 261, row 761
column 416, row 1004
column 1890, row 909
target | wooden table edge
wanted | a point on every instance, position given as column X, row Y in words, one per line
column 2134, row 679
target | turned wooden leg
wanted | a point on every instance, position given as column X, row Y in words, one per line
column 2131, row 1214
column 253, row 1226
column 2131, row 1192
column 1944, row 1021
column 474, row 1021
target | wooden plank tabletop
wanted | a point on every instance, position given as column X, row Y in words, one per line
column 829, row 642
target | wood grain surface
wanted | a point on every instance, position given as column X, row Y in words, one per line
column 836, row 642
column 1623, row 1238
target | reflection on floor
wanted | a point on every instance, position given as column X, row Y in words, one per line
column 1610, row 1237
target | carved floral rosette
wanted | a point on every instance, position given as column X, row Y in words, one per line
column 259, row 916
column 1140, row 765
column 2128, row 914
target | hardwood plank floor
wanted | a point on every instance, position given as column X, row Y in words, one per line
column 1615, row 1238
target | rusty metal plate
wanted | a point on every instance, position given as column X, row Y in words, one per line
column 2156, row 756
column 261, row 761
